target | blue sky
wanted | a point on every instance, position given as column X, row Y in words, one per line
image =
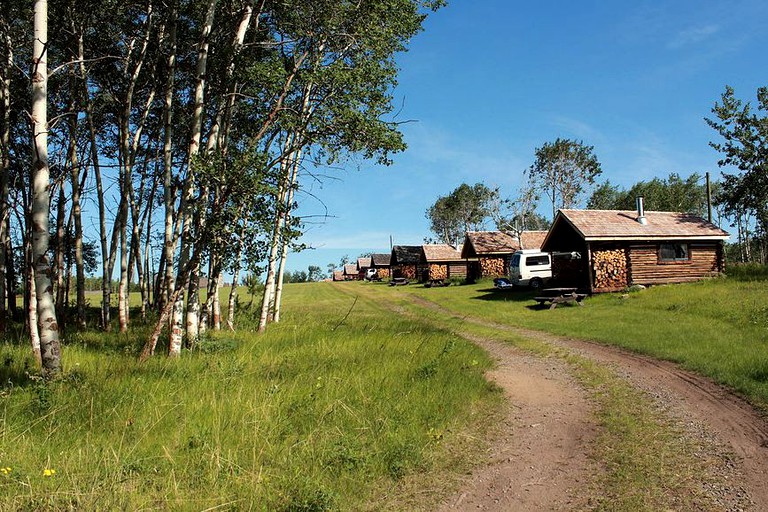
column 487, row 82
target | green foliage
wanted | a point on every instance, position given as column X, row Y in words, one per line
column 744, row 145
column 563, row 170
column 465, row 209
column 673, row 194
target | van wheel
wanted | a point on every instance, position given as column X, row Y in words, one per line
column 536, row 283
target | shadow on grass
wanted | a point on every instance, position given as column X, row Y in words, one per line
column 506, row 295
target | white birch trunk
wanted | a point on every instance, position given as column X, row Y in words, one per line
column 5, row 164
column 193, row 307
column 50, row 349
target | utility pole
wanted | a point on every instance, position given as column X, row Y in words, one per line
column 709, row 199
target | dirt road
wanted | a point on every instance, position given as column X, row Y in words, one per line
column 543, row 456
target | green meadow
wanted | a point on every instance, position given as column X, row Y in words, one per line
column 361, row 398
column 343, row 405
column 717, row 328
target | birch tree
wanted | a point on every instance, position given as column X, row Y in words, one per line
column 46, row 312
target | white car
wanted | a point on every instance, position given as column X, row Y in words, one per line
column 371, row 274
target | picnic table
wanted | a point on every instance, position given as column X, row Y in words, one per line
column 557, row 296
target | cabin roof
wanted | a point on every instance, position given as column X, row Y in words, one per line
column 613, row 225
column 405, row 255
column 440, row 252
column 380, row 260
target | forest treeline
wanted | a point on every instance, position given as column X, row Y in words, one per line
column 166, row 141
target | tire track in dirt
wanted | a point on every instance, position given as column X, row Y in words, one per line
column 729, row 419
column 540, row 459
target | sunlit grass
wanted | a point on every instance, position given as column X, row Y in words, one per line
column 332, row 409
column 717, row 327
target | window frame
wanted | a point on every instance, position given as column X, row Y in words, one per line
column 675, row 260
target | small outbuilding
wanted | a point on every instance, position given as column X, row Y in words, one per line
column 490, row 251
column 404, row 261
column 608, row 250
column 381, row 263
column 441, row 261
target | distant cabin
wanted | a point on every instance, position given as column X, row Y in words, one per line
column 404, row 261
column 441, row 261
column 608, row 250
column 363, row 264
column 381, row 263
column 350, row 272
column 490, row 251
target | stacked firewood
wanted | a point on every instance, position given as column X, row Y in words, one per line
column 408, row 271
column 492, row 267
column 383, row 273
column 609, row 268
column 438, row 271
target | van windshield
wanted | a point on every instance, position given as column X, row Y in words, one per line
column 515, row 261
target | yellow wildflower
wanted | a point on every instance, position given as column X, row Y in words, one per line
column 49, row 472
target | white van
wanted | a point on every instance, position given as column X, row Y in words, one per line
column 530, row 267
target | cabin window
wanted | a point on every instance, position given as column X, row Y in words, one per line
column 673, row 252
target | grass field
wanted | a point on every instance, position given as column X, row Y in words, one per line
column 718, row 328
column 358, row 400
column 325, row 411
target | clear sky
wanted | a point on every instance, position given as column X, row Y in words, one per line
column 489, row 81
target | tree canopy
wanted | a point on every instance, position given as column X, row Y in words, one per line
column 563, row 171
column 466, row 208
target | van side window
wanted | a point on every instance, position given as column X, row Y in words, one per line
column 537, row 260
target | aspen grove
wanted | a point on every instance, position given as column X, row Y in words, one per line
column 170, row 141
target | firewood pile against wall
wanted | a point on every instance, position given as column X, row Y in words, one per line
column 438, row 271
column 609, row 268
column 492, row 267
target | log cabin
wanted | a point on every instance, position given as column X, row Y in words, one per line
column 491, row 250
column 441, row 261
column 363, row 264
column 350, row 272
column 609, row 250
column 405, row 261
column 381, row 263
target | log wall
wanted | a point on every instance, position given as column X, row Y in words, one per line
column 645, row 268
column 457, row 270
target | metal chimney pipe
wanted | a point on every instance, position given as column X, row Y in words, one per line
column 641, row 211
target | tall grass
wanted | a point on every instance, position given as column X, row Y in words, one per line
column 332, row 408
column 717, row 327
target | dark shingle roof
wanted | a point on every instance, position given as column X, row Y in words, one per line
column 380, row 260
column 405, row 255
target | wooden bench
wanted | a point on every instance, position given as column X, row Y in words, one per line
column 557, row 296
column 398, row 281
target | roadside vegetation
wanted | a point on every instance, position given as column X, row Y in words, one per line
column 340, row 406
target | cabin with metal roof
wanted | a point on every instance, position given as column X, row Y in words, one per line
column 608, row 250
